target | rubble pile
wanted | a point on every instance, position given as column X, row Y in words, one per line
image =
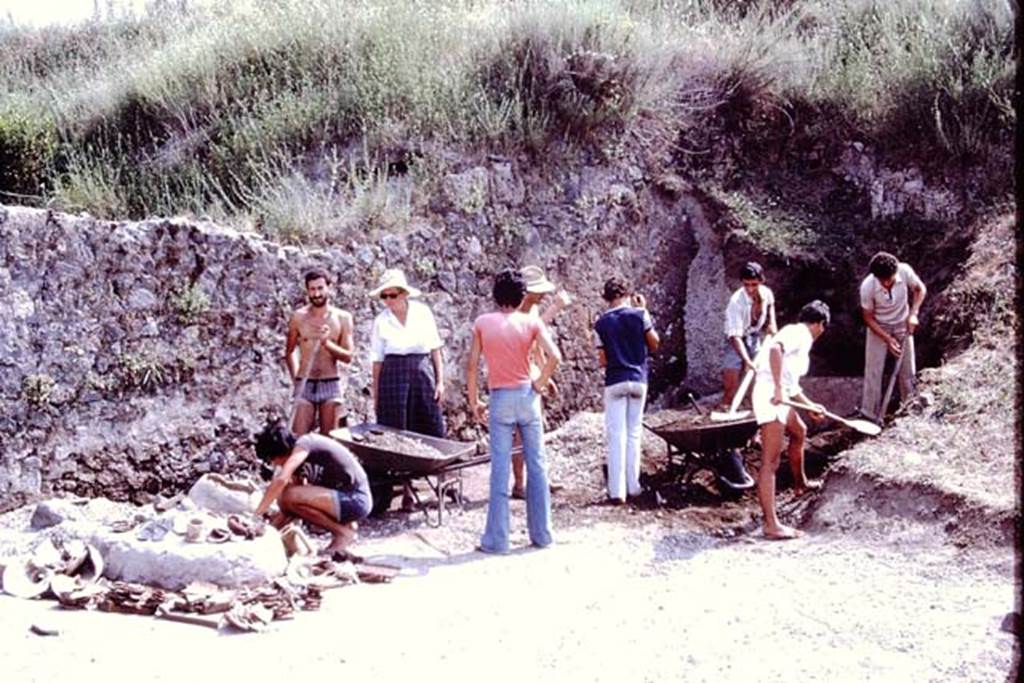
column 87, row 563
column 71, row 574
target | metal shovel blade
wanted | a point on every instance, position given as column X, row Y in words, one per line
column 863, row 426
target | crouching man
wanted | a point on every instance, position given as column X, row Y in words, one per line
column 316, row 479
column 778, row 381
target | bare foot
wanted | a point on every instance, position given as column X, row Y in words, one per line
column 806, row 487
column 340, row 541
column 782, row 533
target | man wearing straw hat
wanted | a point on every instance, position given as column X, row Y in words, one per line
column 323, row 335
column 537, row 286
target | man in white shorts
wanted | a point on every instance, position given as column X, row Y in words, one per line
column 777, row 380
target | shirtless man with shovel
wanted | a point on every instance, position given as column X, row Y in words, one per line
column 323, row 335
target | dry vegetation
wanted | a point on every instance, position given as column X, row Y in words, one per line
column 303, row 117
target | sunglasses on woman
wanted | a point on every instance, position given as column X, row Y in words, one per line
column 390, row 295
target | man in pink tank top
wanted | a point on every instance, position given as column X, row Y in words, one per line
column 504, row 338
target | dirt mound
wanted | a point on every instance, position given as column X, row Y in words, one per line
column 854, row 502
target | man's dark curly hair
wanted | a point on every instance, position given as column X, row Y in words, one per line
column 316, row 274
column 615, row 288
column 509, row 288
column 274, row 441
column 815, row 312
column 752, row 270
column 883, row 265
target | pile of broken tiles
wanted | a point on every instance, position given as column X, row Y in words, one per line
column 83, row 567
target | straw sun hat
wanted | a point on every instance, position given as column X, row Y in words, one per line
column 536, row 282
column 393, row 278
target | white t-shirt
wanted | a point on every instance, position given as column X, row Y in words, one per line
column 796, row 341
column 737, row 312
column 417, row 335
column 890, row 306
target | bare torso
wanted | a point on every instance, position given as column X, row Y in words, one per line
column 755, row 308
column 306, row 330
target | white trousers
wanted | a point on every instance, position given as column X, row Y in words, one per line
column 623, row 415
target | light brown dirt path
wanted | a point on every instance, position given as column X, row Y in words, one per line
column 611, row 602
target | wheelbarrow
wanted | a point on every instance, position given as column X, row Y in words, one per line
column 694, row 440
column 439, row 463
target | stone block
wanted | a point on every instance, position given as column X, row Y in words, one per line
column 173, row 563
column 217, row 493
column 53, row 512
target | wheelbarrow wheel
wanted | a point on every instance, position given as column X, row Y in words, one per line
column 382, row 494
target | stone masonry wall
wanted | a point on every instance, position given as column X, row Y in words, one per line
column 136, row 356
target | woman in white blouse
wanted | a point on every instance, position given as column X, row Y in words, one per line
column 405, row 348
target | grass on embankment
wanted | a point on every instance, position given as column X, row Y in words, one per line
column 295, row 114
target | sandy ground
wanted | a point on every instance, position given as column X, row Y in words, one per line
column 878, row 589
column 636, row 601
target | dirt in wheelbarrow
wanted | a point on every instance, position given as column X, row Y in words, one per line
column 576, row 465
column 687, row 493
column 397, row 443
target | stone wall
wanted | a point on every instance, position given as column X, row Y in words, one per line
column 136, row 356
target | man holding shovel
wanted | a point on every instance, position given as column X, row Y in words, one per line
column 323, row 335
column 890, row 298
column 749, row 319
column 779, row 370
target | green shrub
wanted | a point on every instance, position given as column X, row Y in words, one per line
column 189, row 304
column 27, row 146
column 936, row 73
column 94, row 184
column 143, row 370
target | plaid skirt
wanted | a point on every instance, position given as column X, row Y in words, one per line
column 405, row 395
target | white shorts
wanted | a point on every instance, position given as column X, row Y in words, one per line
column 764, row 410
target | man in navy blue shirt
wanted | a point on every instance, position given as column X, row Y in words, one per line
column 626, row 336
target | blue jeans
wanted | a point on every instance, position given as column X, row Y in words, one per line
column 511, row 408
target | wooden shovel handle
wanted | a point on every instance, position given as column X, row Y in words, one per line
column 862, row 426
column 748, row 376
column 892, row 381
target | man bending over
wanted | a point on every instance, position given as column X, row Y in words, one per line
column 778, row 380
column 315, row 479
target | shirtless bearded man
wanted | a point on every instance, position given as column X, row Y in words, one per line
column 323, row 335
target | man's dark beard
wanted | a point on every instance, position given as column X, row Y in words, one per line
column 318, row 301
